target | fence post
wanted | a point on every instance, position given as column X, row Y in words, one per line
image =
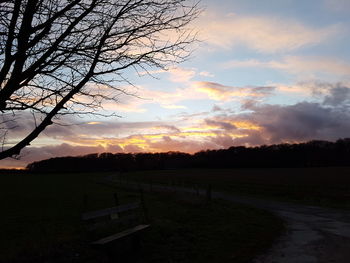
column 85, row 200
column 116, row 199
column 196, row 189
column 144, row 208
column 139, row 185
column 208, row 195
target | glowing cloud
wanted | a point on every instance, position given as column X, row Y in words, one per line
column 220, row 92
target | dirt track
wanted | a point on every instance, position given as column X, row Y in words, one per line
column 314, row 234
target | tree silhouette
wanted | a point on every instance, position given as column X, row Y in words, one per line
column 309, row 154
column 70, row 56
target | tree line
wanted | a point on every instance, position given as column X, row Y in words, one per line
column 309, row 154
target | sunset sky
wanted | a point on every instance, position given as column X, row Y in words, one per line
column 265, row 72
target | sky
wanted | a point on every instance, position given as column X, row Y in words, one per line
column 264, row 72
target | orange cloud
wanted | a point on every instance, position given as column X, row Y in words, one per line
column 246, row 125
column 263, row 124
column 93, row 122
column 220, row 92
column 201, row 132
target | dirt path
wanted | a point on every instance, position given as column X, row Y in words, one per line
column 314, row 234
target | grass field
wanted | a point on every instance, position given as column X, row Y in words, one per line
column 40, row 222
column 324, row 186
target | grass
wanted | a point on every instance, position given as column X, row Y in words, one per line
column 40, row 222
column 323, row 186
column 194, row 232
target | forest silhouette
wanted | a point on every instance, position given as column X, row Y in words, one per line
column 314, row 153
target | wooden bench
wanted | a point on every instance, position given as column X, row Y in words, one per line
column 126, row 219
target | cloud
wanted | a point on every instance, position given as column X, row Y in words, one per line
column 337, row 5
column 139, row 96
column 181, row 75
column 190, row 136
column 176, row 74
column 300, row 122
column 31, row 154
column 317, row 91
column 216, row 108
column 206, row 74
column 339, row 95
column 221, row 124
column 298, row 65
column 263, row 34
column 200, row 90
column 271, row 124
column 169, row 128
column 327, row 118
column 264, row 124
column 216, row 91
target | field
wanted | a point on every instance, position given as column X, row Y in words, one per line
column 322, row 186
column 40, row 222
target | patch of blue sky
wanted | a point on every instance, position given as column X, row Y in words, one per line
column 291, row 99
column 315, row 12
column 253, row 76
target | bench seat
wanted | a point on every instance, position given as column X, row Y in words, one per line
column 120, row 235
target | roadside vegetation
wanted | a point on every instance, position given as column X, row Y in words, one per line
column 40, row 222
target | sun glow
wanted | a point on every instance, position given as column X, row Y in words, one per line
column 246, row 125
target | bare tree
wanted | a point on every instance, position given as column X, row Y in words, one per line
column 62, row 57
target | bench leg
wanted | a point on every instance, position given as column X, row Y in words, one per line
column 136, row 242
column 125, row 251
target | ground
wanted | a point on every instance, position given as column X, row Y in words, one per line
column 40, row 222
column 315, row 234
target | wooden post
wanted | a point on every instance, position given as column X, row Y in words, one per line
column 208, row 195
column 116, row 199
column 139, row 185
column 85, row 201
column 144, row 208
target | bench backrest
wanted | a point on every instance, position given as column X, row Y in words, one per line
column 123, row 214
column 110, row 211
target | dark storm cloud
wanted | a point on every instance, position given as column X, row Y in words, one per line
column 299, row 122
column 339, row 95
